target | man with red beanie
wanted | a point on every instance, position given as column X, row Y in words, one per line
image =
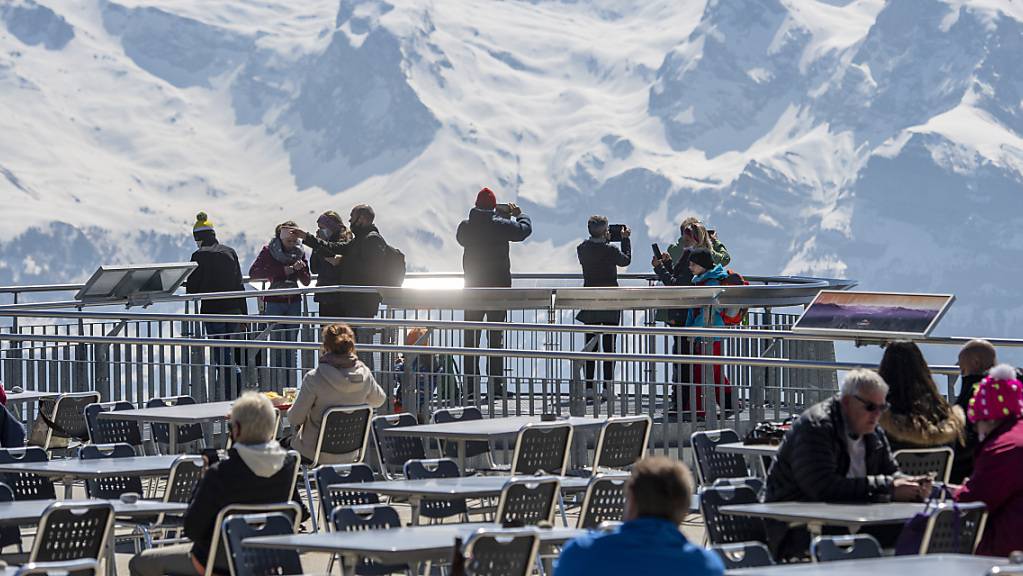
column 485, row 235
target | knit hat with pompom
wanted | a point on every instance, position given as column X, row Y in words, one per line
column 202, row 223
column 999, row 395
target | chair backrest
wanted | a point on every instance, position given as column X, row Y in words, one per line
column 69, row 415
column 757, row 484
column 184, row 476
column 186, row 433
column 332, row 483
column 72, row 531
column 247, row 561
column 80, row 567
column 368, row 517
column 469, row 413
column 921, row 461
column 110, row 486
column 112, row 431
column 395, row 451
column 846, row 547
column 604, row 500
column 528, row 501
column 542, row 448
column 711, row 464
column 217, row 559
column 725, row 528
column 621, row 442
column 344, row 429
column 439, row 468
column 744, row 555
column 501, row 552
column 27, row 486
column 955, row 528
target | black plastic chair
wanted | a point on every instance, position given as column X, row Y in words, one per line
column 184, row 476
column 727, row 528
column 332, row 483
column 922, row 461
column 9, row 535
column 744, row 555
column 528, row 501
column 186, row 433
column 473, row 448
column 604, row 501
column 82, row 567
column 72, row 531
column 217, row 561
column 756, row 484
column 110, row 487
column 68, row 419
column 440, row 468
column 247, row 561
column 501, row 552
column 104, row 431
column 362, row 518
column 955, row 528
column 847, row 547
column 394, row 451
column 621, row 442
column 542, row 449
column 344, row 430
column 711, row 464
column 26, row 485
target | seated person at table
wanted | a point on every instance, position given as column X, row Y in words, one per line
column 341, row 379
column 997, row 478
column 257, row 471
column 835, row 452
column 657, row 498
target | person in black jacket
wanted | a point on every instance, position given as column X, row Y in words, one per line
column 362, row 257
column 218, row 271
column 486, row 264
column 328, row 267
column 257, row 471
column 600, row 261
column 835, row 452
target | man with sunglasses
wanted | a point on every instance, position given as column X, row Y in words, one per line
column 835, row 452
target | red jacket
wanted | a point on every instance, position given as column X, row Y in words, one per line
column 997, row 481
column 266, row 267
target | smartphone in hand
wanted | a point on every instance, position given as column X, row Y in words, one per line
column 657, row 250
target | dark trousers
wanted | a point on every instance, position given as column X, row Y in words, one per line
column 495, row 339
column 604, row 343
column 227, row 375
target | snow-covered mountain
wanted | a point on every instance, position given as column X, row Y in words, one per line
column 874, row 140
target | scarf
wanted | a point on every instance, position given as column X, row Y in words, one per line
column 284, row 256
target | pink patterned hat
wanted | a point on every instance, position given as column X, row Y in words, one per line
column 999, row 395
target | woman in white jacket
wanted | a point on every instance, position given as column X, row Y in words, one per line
column 341, row 379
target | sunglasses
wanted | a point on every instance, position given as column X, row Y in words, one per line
column 871, row 406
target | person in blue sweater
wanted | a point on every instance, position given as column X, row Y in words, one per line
column 649, row 542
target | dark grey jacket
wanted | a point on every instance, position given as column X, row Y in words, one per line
column 485, row 237
column 813, row 460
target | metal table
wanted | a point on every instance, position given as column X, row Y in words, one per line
column 758, row 451
column 29, row 396
column 447, row 488
column 174, row 416
column 816, row 515
column 486, row 429
column 944, row 564
column 73, row 469
column 410, row 545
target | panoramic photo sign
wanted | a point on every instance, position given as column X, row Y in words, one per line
column 874, row 314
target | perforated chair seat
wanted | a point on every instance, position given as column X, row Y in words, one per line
column 248, row 561
column 955, row 528
column 922, row 461
column 727, row 528
column 440, row 468
column 26, row 485
column 501, row 552
column 542, row 448
column 68, row 418
column 394, row 451
column 711, row 464
column 528, row 501
column 604, row 501
column 846, row 547
column 370, row 517
column 105, row 431
column 72, row 531
column 744, row 555
column 187, row 433
column 110, row 487
column 336, row 487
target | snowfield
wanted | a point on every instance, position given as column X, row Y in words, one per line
column 874, row 140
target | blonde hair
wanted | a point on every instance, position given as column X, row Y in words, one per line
column 338, row 339
column 701, row 237
column 255, row 417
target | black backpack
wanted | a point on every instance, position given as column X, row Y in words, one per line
column 391, row 271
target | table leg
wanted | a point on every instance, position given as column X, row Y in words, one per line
column 172, row 441
column 815, row 529
column 413, row 503
column 348, row 562
column 461, row 455
column 69, row 483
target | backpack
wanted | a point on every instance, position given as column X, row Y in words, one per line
column 391, row 271
column 734, row 315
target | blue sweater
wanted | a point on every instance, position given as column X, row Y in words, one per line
column 641, row 547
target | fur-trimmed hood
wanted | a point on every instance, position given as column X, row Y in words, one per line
column 902, row 429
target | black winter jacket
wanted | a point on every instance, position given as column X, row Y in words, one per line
column 363, row 256
column 485, row 237
column 813, row 460
column 600, row 261
column 679, row 275
column 231, row 482
column 326, row 273
column 218, row 271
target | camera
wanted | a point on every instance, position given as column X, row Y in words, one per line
column 615, row 232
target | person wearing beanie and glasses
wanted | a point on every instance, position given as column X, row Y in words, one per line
column 485, row 235
column 328, row 267
column 997, row 478
column 218, row 271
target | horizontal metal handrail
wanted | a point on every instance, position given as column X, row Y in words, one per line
column 692, row 332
